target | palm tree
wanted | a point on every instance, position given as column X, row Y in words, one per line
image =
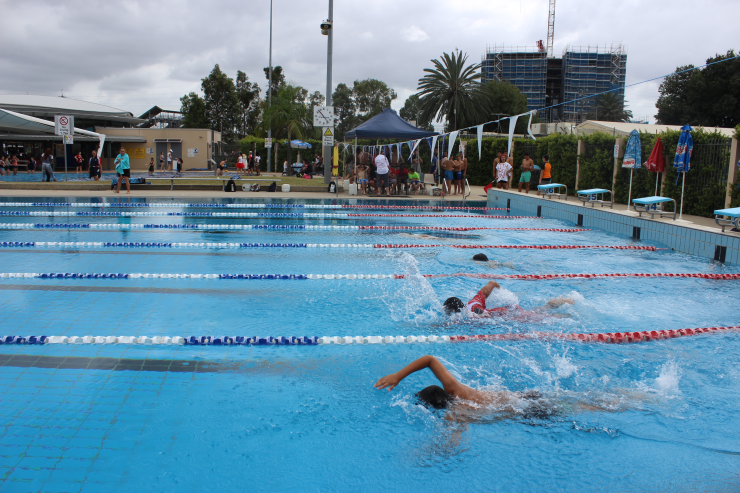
column 610, row 107
column 450, row 90
column 288, row 116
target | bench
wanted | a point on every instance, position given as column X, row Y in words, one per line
column 548, row 190
column 733, row 215
column 592, row 196
column 653, row 206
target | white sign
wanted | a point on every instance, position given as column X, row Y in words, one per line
column 268, row 143
column 191, row 152
column 68, row 139
column 150, row 150
column 616, row 150
column 323, row 116
column 328, row 137
column 64, row 125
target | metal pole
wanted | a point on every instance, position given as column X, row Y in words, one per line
column 269, row 99
column 683, row 184
column 327, row 150
column 68, row 149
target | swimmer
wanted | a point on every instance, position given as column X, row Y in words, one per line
column 493, row 264
column 477, row 306
column 465, row 402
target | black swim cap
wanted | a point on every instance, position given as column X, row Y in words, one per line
column 481, row 257
column 434, row 396
column 453, row 305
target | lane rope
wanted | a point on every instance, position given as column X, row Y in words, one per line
column 514, row 277
column 607, row 338
column 269, row 215
column 125, row 244
column 132, row 205
column 264, row 227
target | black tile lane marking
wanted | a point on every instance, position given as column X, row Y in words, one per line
column 239, row 253
column 120, row 289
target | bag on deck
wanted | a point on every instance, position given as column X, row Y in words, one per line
column 230, row 186
column 273, row 187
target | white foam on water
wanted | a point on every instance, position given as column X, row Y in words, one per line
column 411, row 299
column 669, row 378
column 563, row 366
column 576, row 297
column 502, row 297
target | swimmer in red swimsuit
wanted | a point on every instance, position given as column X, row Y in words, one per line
column 477, row 306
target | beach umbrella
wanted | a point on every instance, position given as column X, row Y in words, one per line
column 632, row 158
column 656, row 162
column 682, row 160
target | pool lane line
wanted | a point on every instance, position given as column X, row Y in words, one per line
column 121, row 364
column 211, row 245
column 127, row 289
column 137, row 205
column 264, row 227
column 253, row 215
column 512, row 277
column 607, row 338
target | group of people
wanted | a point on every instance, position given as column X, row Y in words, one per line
column 455, row 172
column 503, row 167
column 9, row 164
column 380, row 175
column 246, row 165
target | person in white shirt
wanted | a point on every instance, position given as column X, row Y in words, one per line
column 169, row 160
column 240, row 166
column 382, row 183
column 503, row 171
column 285, row 168
column 257, row 160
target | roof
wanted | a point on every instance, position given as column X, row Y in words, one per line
column 78, row 138
column 18, row 122
column 155, row 110
column 624, row 128
column 48, row 106
column 387, row 125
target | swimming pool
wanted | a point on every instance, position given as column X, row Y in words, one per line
column 306, row 417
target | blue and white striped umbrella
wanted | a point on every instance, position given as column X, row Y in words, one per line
column 682, row 160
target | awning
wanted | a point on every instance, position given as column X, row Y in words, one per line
column 166, row 140
column 78, row 138
column 388, row 125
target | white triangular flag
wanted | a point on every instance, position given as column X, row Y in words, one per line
column 480, row 140
column 512, row 125
column 451, row 143
column 529, row 125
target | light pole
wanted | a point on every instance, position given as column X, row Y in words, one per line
column 327, row 150
column 269, row 98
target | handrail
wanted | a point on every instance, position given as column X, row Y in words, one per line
column 469, row 190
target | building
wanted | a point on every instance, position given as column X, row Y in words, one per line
column 27, row 129
column 581, row 72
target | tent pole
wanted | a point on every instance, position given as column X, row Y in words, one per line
column 656, row 183
column 629, row 196
column 680, row 216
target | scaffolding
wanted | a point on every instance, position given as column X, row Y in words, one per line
column 589, row 70
column 523, row 66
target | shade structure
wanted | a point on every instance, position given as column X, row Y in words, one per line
column 387, row 125
column 632, row 158
column 298, row 144
column 656, row 162
column 682, row 160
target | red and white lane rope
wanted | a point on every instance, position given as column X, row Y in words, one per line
column 606, row 338
column 548, row 277
column 394, row 228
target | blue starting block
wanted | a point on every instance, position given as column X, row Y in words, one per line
column 653, row 206
column 553, row 190
column 595, row 196
column 733, row 216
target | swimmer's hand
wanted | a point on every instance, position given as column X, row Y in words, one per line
column 390, row 381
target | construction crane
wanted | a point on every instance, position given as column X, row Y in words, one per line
column 550, row 28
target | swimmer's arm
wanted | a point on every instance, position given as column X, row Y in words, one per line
column 488, row 288
column 449, row 382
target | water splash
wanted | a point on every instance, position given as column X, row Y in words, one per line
column 411, row 300
column 667, row 381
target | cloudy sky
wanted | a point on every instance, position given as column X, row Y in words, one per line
column 134, row 54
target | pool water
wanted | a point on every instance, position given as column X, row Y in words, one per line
column 655, row 416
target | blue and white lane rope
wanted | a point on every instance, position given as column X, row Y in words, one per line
column 138, row 205
column 111, row 244
column 267, row 215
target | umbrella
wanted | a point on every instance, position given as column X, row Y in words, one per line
column 297, row 144
column 682, row 161
column 632, row 158
column 656, row 162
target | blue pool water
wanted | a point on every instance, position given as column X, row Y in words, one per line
column 292, row 418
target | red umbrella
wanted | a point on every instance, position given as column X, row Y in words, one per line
column 656, row 161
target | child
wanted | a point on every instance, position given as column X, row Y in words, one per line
column 414, row 179
column 78, row 159
column 362, row 177
column 151, row 167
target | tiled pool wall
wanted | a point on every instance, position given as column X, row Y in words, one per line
column 685, row 239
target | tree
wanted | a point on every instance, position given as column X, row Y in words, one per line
column 278, row 78
column 611, row 107
column 222, row 105
column 248, row 96
column 450, row 90
column 500, row 99
column 288, row 116
column 708, row 97
column 411, row 111
column 344, row 109
column 193, row 109
column 372, row 97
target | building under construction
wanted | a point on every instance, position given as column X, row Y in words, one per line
column 547, row 81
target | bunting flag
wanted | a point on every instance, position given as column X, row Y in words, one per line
column 429, row 142
column 416, row 144
column 512, row 126
column 479, row 130
column 529, row 125
column 444, row 141
column 451, row 144
column 434, row 144
column 399, row 147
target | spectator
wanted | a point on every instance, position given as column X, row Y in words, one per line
column 434, row 168
column 257, row 160
column 285, row 168
column 169, row 160
column 416, row 162
column 503, row 171
column 362, row 173
column 414, row 180
column 151, row 167
column 161, row 162
column 458, row 175
column 393, row 180
column 2, row 166
column 403, row 179
column 526, row 176
column 449, row 168
column 349, row 167
column 47, row 170
column 79, row 160
column 12, row 164
column 240, row 165
column 250, row 163
column 546, row 175
column 179, row 165
column 31, row 168
column 123, row 169
column 94, row 166
column 221, row 168
column 381, row 162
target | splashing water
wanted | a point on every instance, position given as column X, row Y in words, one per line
column 412, row 299
column 667, row 381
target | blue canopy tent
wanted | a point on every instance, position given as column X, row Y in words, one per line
column 388, row 125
